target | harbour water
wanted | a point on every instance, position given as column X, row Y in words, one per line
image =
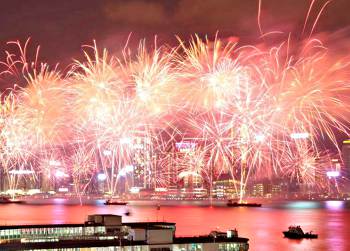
column 263, row 226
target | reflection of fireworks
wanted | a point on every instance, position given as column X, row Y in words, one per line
column 240, row 104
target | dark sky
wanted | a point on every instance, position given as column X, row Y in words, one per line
column 61, row 27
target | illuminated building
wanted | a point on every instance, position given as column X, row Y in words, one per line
column 258, row 190
column 139, row 163
column 101, row 182
column 139, row 176
column 346, row 157
column 2, row 180
column 270, row 189
column 224, row 187
column 320, row 176
column 192, row 185
column 333, row 174
column 193, row 180
column 143, row 163
column 182, row 161
column 171, row 170
column 276, row 190
column 20, row 179
column 108, row 232
column 45, row 182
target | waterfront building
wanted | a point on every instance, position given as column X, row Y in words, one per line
column 191, row 180
column 346, row 157
column 142, row 162
column 320, row 177
column 45, row 182
column 108, row 232
column 276, row 190
column 100, row 182
column 193, row 193
column 224, row 187
column 258, row 190
column 269, row 189
column 171, row 175
column 184, row 164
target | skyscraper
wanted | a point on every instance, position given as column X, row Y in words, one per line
column 346, row 157
column 143, row 169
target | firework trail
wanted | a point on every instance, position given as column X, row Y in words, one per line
column 246, row 108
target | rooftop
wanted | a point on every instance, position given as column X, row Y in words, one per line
column 46, row 226
column 208, row 239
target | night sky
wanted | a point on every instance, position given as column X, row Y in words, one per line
column 62, row 27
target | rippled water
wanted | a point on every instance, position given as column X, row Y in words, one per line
column 263, row 226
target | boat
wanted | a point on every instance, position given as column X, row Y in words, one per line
column 232, row 203
column 115, row 202
column 295, row 232
column 7, row 200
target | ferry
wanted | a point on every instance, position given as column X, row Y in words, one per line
column 295, row 232
column 107, row 231
column 7, row 200
column 232, row 203
column 115, row 202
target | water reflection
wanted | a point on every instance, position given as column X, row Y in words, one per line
column 335, row 205
column 303, row 205
column 263, row 226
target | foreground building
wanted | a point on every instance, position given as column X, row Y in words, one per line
column 107, row 232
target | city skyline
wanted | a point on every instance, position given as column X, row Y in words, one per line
column 241, row 109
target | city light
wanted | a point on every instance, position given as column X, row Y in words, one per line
column 107, row 152
column 134, row 190
column 101, row 177
column 303, row 135
column 188, row 173
column 126, row 140
column 21, row 172
column 60, row 174
column 185, row 145
column 160, row 189
column 124, row 171
column 259, row 138
column 54, row 163
column 129, row 168
column 63, row 190
column 333, row 174
column 33, row 191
